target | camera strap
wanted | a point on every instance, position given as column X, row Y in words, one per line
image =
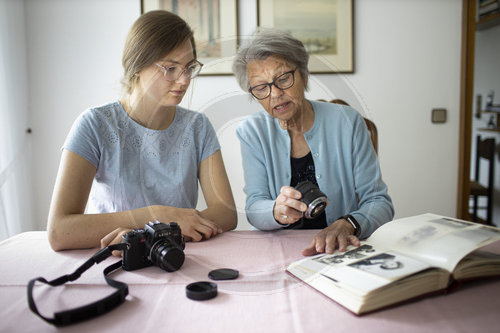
column 91, row 310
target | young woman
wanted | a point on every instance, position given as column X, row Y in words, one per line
column 139, row 159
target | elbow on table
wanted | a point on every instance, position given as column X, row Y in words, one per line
column 224, row 215
column 57, row 238
column 232, row 220
column 54, row 241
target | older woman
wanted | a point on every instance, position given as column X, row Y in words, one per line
column 297, row 139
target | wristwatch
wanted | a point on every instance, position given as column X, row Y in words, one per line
column 354, row 223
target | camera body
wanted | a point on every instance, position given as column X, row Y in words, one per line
column 157, row 244
column 312, row 196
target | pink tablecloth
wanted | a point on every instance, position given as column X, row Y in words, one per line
column 263, row 299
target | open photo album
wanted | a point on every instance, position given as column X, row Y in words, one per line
column 403, row 259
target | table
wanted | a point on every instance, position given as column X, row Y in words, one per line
column 263, row 299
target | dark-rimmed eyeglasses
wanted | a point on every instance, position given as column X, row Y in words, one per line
column 173, row 73
column 282, row 82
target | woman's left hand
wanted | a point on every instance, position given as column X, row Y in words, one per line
column 338, row 234
column 114, row 237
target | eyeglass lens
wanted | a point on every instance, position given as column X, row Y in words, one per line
column 172, row 73
column 284, row 81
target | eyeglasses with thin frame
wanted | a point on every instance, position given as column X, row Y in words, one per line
column 282, row 82
column 173, row 73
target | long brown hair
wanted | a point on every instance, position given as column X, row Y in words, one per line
column 152, row 36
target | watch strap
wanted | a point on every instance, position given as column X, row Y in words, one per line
column 354, row 223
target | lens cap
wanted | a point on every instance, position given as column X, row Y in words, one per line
column 223, row 274
column 200, row 291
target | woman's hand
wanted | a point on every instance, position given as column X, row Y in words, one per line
column 114, row 237
column 339, row 234
column 288, row 208
column 193, row 225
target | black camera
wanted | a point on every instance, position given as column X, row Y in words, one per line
column 157, row 244
column 313, row 198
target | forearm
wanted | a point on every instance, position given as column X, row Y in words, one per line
column 223, row 215
column 260, row 214
column 373, row 213
column 221, row 208
column 74, row 231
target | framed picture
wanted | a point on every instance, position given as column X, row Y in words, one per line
column 215, row 26
column 324, row 26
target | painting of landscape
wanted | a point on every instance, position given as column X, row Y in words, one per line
column 314, row 23
column 214, row 23
column 323, row 26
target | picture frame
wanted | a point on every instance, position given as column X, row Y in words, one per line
column 325, row 27
column 215, row 29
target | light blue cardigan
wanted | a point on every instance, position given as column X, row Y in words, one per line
column 347, row 168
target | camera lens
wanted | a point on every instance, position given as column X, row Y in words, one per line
column 318, row 206
column 313, row 198
column 167, row 255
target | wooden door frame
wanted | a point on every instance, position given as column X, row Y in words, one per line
column 466, row 100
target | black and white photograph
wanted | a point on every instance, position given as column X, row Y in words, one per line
column 346, row 257
column 388, row 265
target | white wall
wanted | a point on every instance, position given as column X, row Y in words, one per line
column 487, row 78
column 407, row 61
column 74, row 61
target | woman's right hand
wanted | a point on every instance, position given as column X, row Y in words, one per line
column 288, row 208
column 193, row 225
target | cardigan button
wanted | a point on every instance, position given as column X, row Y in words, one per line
column 316, row 154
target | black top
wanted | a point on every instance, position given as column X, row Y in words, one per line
column 303, row 169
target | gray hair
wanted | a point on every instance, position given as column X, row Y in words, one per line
column 270, row 42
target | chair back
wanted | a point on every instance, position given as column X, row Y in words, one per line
column 372, row 129
column 370, row 125
column 485, row 149
column 485, row 152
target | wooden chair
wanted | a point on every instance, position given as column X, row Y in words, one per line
column 372, row 129
column 485, row 150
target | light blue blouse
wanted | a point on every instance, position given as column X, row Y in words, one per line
column 138, row 166
column 347, row 168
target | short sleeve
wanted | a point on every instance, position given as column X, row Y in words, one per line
column 210, row 143
column 83, row 139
